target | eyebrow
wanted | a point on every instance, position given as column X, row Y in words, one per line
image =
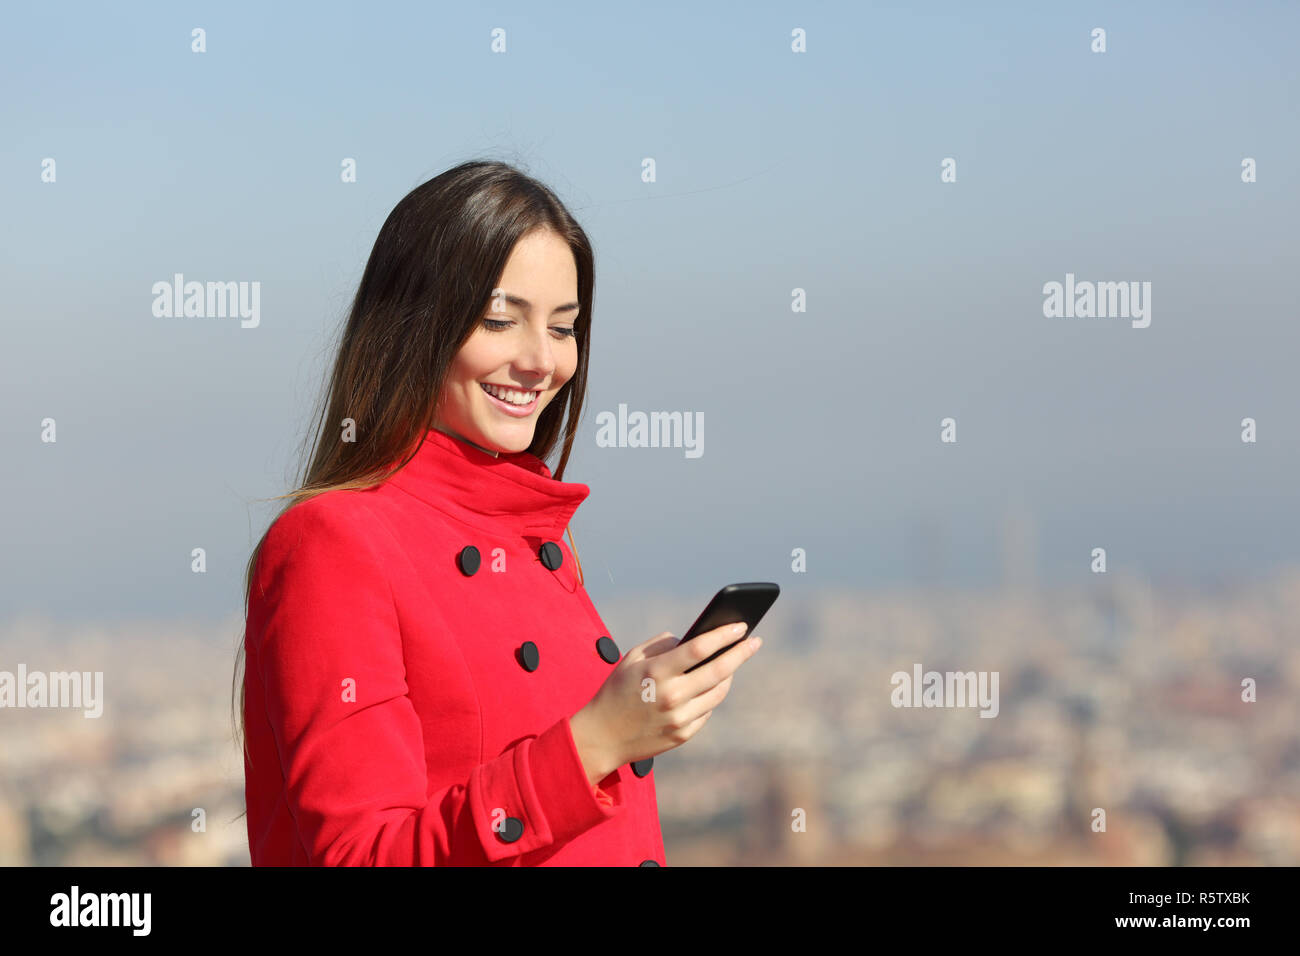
column 525, row 304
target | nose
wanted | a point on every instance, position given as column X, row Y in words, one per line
column 535, row 356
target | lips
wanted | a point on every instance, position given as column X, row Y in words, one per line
column 518, row 411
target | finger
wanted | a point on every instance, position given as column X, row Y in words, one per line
column 694, row 709
column 717, row 670
column 693, row 727
column 699, row 648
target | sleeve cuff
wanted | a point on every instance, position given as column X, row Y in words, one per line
column 545, row 788
column 563, row 791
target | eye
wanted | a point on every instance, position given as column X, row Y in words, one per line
column 500, row 325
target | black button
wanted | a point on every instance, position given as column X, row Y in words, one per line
column 551, row 555
column 642, row 767
column 607, row 650
column 647, row 863
column 468, row 560
column 529, row 657
column 513, row 830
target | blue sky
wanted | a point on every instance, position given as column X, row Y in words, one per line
column 775, row 171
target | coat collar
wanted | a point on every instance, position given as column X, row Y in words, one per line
column 512, row 492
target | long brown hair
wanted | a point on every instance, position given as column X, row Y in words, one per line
column 425, row 289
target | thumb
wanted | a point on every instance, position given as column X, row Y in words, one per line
column 660, row 643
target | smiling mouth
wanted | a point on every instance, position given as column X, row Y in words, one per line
column 514, row 399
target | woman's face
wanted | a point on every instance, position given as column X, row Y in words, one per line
column 524, row 343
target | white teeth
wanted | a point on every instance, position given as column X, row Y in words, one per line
column 513, row 396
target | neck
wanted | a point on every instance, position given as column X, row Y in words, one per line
column 486, row 451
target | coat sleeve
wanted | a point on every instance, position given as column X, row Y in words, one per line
column 324, row 634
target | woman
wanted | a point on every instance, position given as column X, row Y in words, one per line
column 426, row 680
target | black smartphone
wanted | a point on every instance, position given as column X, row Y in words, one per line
column 733, row 604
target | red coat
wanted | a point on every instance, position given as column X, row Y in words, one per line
column 400, row 701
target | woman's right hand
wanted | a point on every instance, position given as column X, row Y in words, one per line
column 648, row 704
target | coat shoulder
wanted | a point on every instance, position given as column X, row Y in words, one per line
column 333, row 519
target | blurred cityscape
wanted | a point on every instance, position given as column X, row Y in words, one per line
column 1125, row 697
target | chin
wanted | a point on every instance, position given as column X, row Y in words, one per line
column 508, row 443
